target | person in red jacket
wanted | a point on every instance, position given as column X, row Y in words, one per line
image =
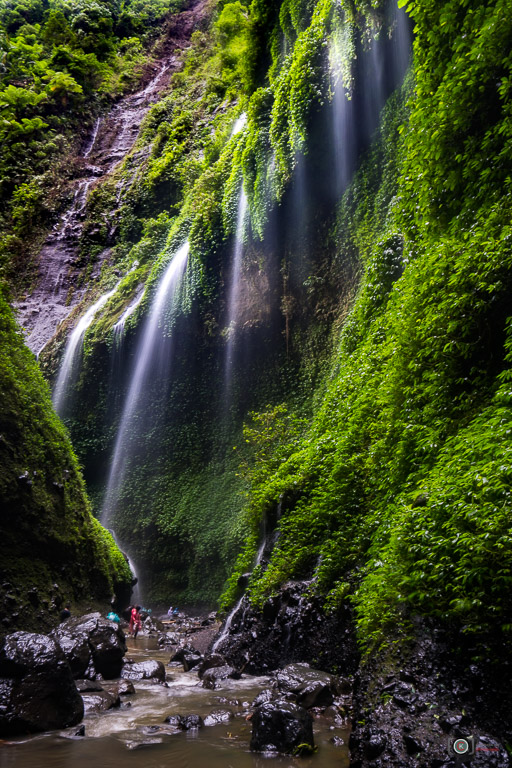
column 135, row 620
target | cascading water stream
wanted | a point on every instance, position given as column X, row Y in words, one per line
column 73, row 347
column 227, row 625
column 58, row 287
column 118, row 328
column 93, row 138
column 380, row 68
column 239, row 124
column 234, row 291
column 148, row 352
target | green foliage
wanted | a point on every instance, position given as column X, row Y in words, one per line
column 48, row 533
column 62, row 62
column 402, row 481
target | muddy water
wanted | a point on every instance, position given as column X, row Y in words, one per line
column 136, row 735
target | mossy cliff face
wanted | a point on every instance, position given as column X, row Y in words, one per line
column 181, row 510
column 374, row 346
column 51, row 549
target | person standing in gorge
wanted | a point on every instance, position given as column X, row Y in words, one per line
column 135, row 620
column 66, row 612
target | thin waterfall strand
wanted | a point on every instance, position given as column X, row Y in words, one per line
column 146, row 352
column 234, row 287
column 61, row 391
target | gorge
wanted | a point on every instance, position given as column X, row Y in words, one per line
column 261, row 252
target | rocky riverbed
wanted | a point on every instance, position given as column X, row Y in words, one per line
column 192, row 692
column 165, row 693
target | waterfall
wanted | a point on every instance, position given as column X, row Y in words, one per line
column 239, row 124
column 73, row 347
column 119, row 326
column 234, row 289
column 343, row 125
column 370, row 73
column 92, row 141
column 227, row 625
column 149, row 350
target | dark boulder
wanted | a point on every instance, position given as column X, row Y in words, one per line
column 37, row 690
column 88, row 686
column 267, row 694
column 100, row 701
column 212, row 676
column 291, row 626
column 281, row 726
column 310, row 687
column 144, row 670
column 92, row 645
column 175, row 721
column 192, row 722
column 187, row 656
column 209, row 661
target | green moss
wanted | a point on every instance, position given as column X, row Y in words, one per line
column 48, row 534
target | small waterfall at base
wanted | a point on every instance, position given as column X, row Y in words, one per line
column 234, row 292
column 73, row 347
column 273, row 535
column 146, row 357
column 136, row 591
column 227, row 625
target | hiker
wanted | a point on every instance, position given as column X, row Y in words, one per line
column 66, row 612
column 135, row 620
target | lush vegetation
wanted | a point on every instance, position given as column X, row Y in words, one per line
column 403, row 475
column 62, row 63
column 378, row 412
column 52, row 548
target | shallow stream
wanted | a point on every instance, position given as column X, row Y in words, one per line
column 136, row 735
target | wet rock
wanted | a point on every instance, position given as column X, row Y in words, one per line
column 281, row 726
column 337, row 741
column 188, row 657
column 217, row 716
column 264, row 696
column 92, row 645
column 126, row 688
column 192, row 722
column 100, row 701
column 144, row 670
column 87, row 686
column 374, row 745
column 310, row 687
column 168, row 638
column 209, row 661
column 412, row 745
column 212, row 676
column 37, row 690
column 80, row 731
column 176, row 721
column 290, row 627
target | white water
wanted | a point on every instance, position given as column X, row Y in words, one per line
column 227, row 625
column 342, row 113
column 239, row 125
column 92, row 141
column 146, row 355
column 74, row 345
column 234, row 287
column 119, row 326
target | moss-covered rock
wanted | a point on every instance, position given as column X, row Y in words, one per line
column 51, row 550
